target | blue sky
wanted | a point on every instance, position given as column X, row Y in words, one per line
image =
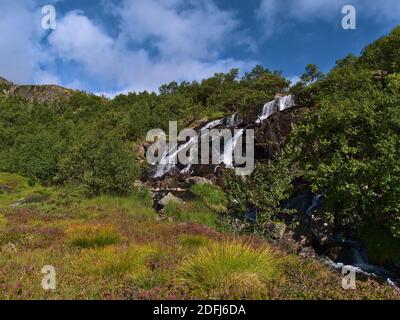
column 133, row 45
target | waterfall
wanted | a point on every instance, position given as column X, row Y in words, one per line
column 230, row 145
column 232, row 121
column 285, row 102
column 168, row 165
column 268, row 110
column 274, row 106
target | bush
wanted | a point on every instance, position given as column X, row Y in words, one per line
column 229, row 270
column 101, row 163
column 264, row 189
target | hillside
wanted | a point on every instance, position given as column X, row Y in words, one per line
column 76, row 191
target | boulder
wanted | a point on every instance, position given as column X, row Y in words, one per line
column 198, row 180
column 169, row 198
column 275, row 230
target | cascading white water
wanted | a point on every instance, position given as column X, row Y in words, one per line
column 274, row 106
column 230, row 145
column 168, row 164
column 268, row 110
column 168, row 161
column 285, row 102
column 232, row 121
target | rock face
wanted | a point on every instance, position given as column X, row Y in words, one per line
column 5, row 82
column 40, row 93
column 271, row 133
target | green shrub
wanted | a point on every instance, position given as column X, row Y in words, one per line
column 101, row 163
column 382, row 247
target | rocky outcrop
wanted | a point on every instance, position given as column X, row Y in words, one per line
column 272, row 132
column 5, row 82
column 40, row 93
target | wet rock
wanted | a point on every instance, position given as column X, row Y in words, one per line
column 271, row 133
column 333, row 251
column 169, row 198
column 321, row 228
column 203, row 170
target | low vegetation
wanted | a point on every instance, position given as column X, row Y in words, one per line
column 117, row 248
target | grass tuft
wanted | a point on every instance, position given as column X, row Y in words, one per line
column 92, row 236
column 229, row 270
column 193, row 240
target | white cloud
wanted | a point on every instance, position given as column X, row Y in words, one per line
column 23, row 58
column 158, row 42
column 279, row 13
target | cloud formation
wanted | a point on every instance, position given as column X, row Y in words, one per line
column 158, row 42
column 277, row 14
column 23, row 58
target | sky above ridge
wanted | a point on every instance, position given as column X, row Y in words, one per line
column 134, row 45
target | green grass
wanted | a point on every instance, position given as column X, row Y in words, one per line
column 212, row 196
column 230, row 270
column 114, row 248
column 194, row 212
column 139, row 206
column 382, row 247
column 209, row 202
column 15, row 188
column 113, row 261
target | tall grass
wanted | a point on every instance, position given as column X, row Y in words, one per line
column 229, row 270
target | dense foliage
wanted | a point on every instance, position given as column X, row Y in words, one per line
column 88, row 140
column 348, row 147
